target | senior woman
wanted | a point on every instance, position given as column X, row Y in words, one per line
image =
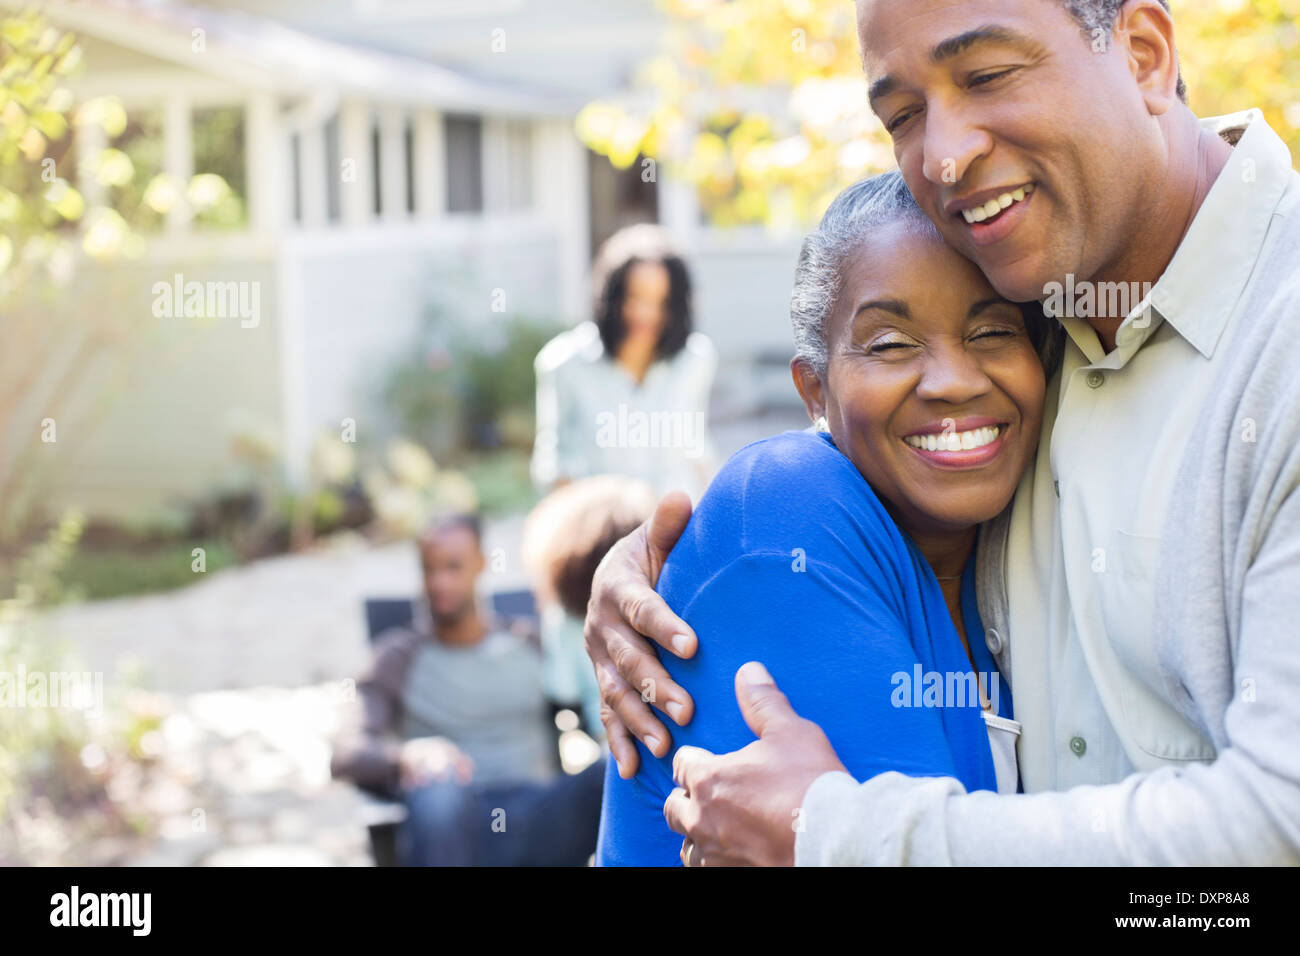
column 927, row 389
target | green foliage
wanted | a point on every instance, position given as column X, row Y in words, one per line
column 36, row 199
column 98, row 573
column 502, row 481
column 138, row 151
column 57, row 208
column 219, row 144
column 473, row 389
column 34, row 578
column 498, row 388
column 35, row 739
column 1237, row 54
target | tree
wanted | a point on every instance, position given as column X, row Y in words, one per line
column 762, row 105
column 61, row 206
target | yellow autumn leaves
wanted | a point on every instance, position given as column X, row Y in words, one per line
column 761, row 105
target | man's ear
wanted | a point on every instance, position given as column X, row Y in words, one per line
column 809, row 386
column 1146, row 31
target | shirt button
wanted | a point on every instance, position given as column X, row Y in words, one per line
column 1095, row 379
column 994, row 640
column 1079, row 746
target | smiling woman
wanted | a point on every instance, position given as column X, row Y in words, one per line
column 898, row 362
column 931, row 386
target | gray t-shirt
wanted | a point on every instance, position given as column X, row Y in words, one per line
column 488, row 700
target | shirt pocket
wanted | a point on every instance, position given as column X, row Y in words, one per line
column 1004, row 733
column 1150, row 719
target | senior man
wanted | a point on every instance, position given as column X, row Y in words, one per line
column 1141, row 593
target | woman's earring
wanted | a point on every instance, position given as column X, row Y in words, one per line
column 821, row 424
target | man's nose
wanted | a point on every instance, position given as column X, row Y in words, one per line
column 952, row 144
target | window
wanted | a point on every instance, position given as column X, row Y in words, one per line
column 128, row 179
column 219, row 145
column 464, row 141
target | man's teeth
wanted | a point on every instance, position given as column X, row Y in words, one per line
column 995, row 206
column 955, row 441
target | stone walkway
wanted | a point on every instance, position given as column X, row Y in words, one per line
column 249, row 667
column 287, row 621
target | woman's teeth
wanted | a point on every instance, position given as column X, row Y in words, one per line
column 995, row 206
column 955, row 441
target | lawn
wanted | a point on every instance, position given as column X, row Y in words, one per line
column 113, row 571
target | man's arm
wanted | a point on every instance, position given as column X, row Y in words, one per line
column 623, row 608
column 1244, row 808
column 366, row 752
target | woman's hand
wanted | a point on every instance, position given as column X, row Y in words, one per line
column 743, row 808
column 623, row 608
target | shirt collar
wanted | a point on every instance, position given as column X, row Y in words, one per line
column 1202, row 284
column 1204, row 281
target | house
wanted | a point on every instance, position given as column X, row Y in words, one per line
column 387, row 167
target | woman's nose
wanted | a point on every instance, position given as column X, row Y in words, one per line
column 951, row 374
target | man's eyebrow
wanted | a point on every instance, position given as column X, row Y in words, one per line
column 882, row 87
column 955, row 46
column 897, row 306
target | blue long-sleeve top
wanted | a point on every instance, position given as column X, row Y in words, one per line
column 790, row 559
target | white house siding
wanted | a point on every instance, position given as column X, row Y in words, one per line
column 361, row 299
column 742, row 301
column 337, row 311
column 342, row 301
column 158, row 434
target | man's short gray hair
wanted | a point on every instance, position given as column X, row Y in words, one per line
column 1094, row 15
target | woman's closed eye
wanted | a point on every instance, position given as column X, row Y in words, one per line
column 895, row 345
column 995, row 336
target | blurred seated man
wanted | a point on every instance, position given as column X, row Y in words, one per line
column 453, row 721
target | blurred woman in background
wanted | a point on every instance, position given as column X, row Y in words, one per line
column 628, row 392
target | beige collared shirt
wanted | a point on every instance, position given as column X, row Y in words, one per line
column 1087, row 520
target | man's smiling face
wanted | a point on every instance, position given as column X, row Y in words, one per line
column 1029, row 150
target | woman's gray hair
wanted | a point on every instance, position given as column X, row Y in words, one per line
column 848, row 224
column 818, row 277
